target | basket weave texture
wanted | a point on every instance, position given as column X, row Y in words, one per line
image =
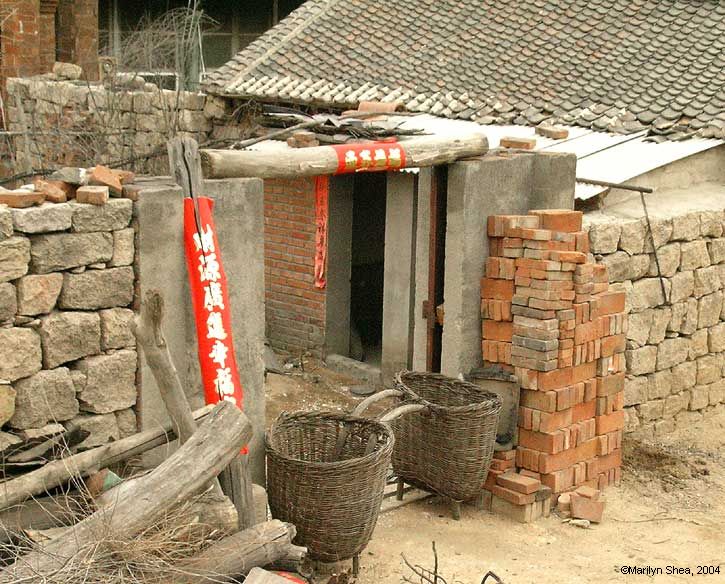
column 333, row 503
column 447, row 448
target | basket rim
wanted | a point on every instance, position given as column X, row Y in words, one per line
column 340, row 416
column 488, row 398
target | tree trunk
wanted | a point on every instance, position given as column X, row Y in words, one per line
column 60, row 471
column 261, row 545
column 141, row 503
column 285, row 162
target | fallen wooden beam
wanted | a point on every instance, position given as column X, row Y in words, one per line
column 294, row 162
column 142, row 502
column 62, row 470
column 261, row 545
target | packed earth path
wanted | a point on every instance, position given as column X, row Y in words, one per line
column 668, row 511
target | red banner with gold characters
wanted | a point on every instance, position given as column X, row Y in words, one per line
column 322, row 190
column 369, row 157
column 210, row 301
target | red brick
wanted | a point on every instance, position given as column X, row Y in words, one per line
column 588, row 492
column 560, row 219
column 21, row 199
column 505, row 454
column 497, row 331
column 104, row 176
column 613, row 344
column 516, row 142
column 549, row 442
column 518, row 483
column 560, row 480
column 544, row 401
column 501, row 465
column 552, row 462
column 584, row 508
column 611, row 302
column 52, row 190
column 94, row 195
column 555, row 379
column 610, row 423
column 497, row 289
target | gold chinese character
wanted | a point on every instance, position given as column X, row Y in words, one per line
column 394, row 158
column 366, row 160
column 380, row 158
column 350, row 160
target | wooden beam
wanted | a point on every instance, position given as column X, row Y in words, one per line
column 321, row 160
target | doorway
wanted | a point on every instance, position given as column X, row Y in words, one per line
column 367, row 267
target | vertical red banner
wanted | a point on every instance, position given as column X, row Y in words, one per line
column 322, row 191
column 210, row 301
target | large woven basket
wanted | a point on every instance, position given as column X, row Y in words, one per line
column 446, row 448
column 332, row 500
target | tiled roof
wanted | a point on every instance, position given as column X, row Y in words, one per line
column 613, row 65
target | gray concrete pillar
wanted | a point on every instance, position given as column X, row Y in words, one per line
column 239, row 219
column 238, row 214
column 339, row 263
column 500, row 183
column 398, row 278
column 160, row 265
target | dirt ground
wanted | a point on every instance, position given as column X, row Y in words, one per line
column 669, row 511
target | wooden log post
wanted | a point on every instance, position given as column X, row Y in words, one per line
column 261, row 545
column 142, row 502
column 58, row 472
column 295, row 162
column 150, row 337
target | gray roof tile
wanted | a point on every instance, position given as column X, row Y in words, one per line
column 622, row 65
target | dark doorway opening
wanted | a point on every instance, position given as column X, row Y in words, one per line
column 366, row 277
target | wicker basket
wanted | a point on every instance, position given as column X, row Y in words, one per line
column 447, row 448
column 332, row 500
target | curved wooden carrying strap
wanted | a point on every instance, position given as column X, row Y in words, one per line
column 385, row 417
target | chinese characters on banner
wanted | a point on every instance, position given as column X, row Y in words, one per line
column 210, row 301
column 322, row 189
column 370, row 156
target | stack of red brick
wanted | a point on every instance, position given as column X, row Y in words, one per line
column 550, row 318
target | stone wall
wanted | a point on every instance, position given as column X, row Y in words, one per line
column 676, row 340
column 66, row 298
column 53, row 122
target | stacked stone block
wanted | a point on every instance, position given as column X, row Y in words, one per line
column 71, row 123
column 66, row 293
column 564, row 340
column 675, row 354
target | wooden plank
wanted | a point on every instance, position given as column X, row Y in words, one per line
column 321, row 160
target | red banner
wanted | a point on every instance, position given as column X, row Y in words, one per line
column 369, row 157
column 322, row 189
column 210, row 301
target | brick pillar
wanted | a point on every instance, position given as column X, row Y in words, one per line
column 19, row 42
column 46, row 29
column 78, row 34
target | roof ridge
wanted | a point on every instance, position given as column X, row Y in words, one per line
column 286, row 38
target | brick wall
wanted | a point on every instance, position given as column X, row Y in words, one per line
column 46, row 30
column 19, row 39
column 77, row 22
column 295, row 309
